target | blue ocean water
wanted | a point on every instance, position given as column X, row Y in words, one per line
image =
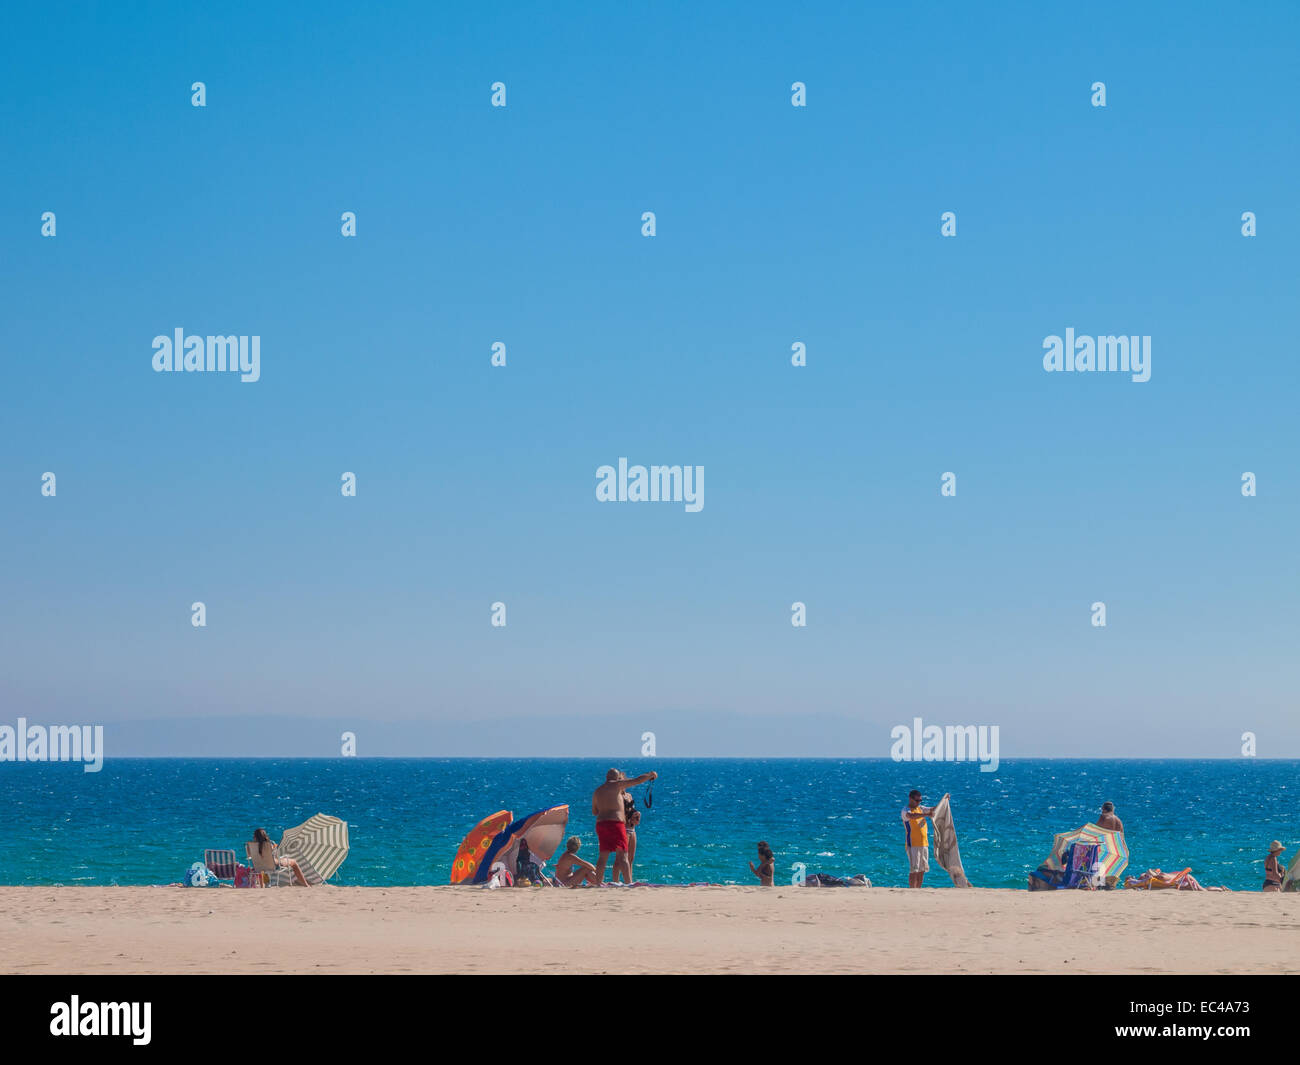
column 143, row 821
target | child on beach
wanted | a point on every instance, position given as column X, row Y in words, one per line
column 766, row 864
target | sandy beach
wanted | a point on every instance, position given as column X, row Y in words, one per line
column 71, row 930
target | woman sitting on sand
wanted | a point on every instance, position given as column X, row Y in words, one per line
column 527, row 871
column 1272, row 869
column 263, row 841
column 572, row 871
column 766, row 864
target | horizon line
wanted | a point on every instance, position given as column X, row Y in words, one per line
column 649, row 757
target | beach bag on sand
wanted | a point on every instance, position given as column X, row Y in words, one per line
column 500, row 877
column 199, row 875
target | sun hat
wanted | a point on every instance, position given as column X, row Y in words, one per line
column 1274, row 847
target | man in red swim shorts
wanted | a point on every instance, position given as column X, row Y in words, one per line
column 612, row 836
column 611, row 828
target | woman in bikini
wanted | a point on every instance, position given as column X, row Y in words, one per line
column 633, row 816
column 1273, row 868
column 766, row 864
column 263, row 841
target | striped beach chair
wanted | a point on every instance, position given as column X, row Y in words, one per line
column 222, row 863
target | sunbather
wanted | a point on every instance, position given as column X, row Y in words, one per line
column 572, row 871
column 268, row 862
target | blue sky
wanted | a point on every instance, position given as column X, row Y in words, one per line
column 775, row 224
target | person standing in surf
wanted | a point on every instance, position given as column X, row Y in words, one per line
column 611, row 825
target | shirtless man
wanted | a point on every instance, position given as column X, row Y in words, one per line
column 1108, row 818
column 611, row 828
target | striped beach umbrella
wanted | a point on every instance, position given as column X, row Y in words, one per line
column 1113, row 855
column 321, row 841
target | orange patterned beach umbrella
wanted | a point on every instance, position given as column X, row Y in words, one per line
column 476, row 844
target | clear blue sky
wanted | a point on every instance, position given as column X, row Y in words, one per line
column 775, row 224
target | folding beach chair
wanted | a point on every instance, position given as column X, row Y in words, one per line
column 265, row 869
column 1081, row 860
column 221, row 862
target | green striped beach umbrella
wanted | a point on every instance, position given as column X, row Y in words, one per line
column 321, row 841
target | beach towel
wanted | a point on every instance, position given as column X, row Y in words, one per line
column 945, row 844
column 827, row 880
column 1082, row 865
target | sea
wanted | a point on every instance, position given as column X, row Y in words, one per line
column 144, row 821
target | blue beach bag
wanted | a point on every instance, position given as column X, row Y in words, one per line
column 199, row 875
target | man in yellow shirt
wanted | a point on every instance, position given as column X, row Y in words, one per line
column 916, row 838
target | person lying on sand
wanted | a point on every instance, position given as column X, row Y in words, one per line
column 572, row 871
column 1272, row 868
column 766, row 864
column 275, row 861
column 611, row 826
